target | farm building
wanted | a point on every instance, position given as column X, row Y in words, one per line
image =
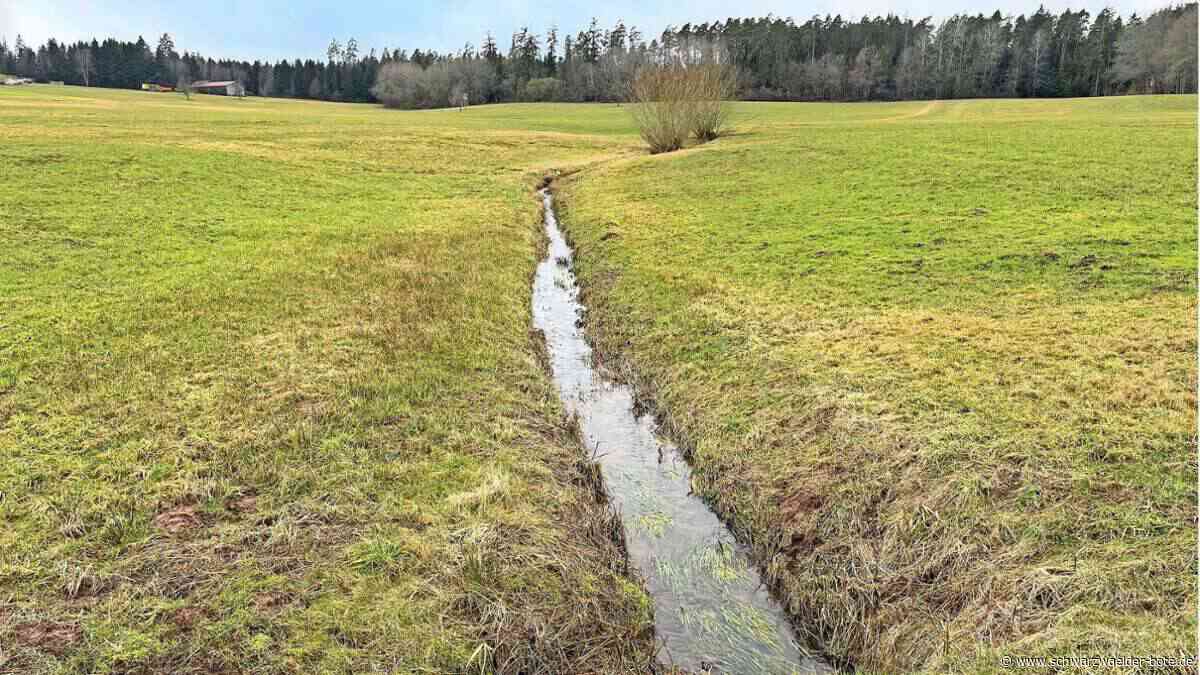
column 226, row 87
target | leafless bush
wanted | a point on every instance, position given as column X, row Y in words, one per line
column 457, row 83
column 661, row 106
column 405, row 85
column 713, row 86
column 672, row 102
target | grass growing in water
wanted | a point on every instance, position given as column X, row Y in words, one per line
column 936, row 359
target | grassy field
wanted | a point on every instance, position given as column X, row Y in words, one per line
column 937, row 360
column 269, row 401
column 268, row 398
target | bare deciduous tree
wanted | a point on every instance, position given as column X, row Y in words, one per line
column 83, row 62
column 458, row 97
column 184, row 86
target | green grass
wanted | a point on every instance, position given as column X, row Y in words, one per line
column 937, row 360
column 269, row 401
column 268, row 397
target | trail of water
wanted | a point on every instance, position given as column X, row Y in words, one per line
column 711, row 610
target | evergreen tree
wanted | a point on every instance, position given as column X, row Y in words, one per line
column 550, row 64
column 1069, row 53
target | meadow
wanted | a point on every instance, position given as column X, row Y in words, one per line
column 270, row 402
column 936, row 360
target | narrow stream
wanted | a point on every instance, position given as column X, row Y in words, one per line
column 711, row 610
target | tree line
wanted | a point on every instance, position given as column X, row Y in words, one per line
column 823, row 58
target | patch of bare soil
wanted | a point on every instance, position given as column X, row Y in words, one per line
column 48, row 636
column 187, row 617
column 271, row 602
column 178, row 519
column 243, row 504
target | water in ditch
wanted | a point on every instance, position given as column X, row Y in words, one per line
column 711, row 610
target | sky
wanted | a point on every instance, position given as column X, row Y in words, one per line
column 275, row 29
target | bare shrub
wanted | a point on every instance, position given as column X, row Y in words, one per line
column 455, row 83
column 672, row 102
column 543, row 89
column 713, row 86
column 400, row 85
column 407, row 85
column 661, row 106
